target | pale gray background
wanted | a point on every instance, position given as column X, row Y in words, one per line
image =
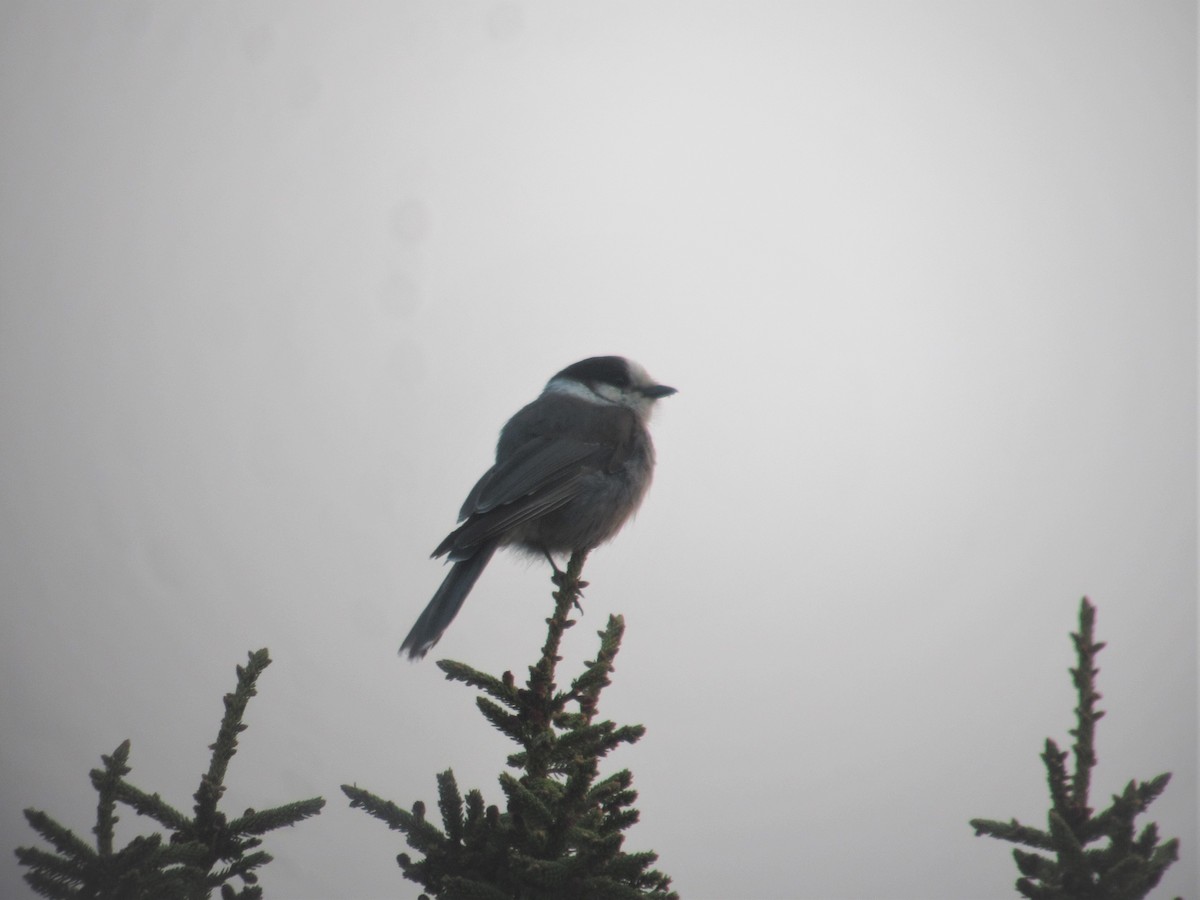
column 273, row 275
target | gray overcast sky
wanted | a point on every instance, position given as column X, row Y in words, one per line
column 272, row 276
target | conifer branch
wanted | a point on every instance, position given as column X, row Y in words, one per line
column 105, row 781
column 540, row 688
column 508, row 724
column 1125, row 869
column 562, row 828
column 204, row 853
column 387, row 812
column 149, row 805
column 503, row 690
column 212, row 784
column 450, row 804
column 65, row 841
column 1083, row 676
column 261, row 821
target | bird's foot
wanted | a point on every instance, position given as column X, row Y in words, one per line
column 559, row 574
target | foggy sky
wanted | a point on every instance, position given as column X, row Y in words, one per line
column 272, row 276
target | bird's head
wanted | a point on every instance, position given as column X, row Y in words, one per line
column 610, row 380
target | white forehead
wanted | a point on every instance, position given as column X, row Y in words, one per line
column 638, row 375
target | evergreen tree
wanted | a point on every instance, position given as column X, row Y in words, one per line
column 205, row 851
column 1127, row 867
column 561, row 833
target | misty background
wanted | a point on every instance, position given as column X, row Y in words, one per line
column 273, row 275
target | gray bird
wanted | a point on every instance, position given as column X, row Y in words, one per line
column 571, row 468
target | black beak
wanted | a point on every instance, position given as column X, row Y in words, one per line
column 658, row 391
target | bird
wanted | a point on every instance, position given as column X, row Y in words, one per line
column 571, row 468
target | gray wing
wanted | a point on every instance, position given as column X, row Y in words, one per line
column 537, row 478
column 537, row 464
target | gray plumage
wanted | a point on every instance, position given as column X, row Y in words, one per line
column 571, row 468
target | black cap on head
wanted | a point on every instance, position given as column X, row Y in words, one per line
column 612, row 370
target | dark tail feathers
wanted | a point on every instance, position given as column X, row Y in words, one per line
column 446, row 603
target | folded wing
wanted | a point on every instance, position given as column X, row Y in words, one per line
column 539, row 477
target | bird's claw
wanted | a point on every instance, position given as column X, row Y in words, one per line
column 558, row 573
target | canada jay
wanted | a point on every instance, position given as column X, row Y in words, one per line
column 570, row 468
